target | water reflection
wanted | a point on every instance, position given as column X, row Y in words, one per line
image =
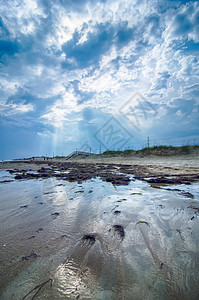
column 70, row 279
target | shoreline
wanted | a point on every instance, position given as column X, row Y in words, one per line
column 182, row 169
column 66, row 214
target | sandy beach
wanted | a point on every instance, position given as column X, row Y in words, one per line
column 171, row 165
column 106, row 228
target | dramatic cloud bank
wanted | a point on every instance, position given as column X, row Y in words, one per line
column 101, row 74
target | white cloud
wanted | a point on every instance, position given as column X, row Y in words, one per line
column 56, row 116
column 65, row 24
column 23, row 108
column 45, row 133
column 58, row 113
column 182, row 23
column 13, row 109
column 21, row 16
column 188, row 68
column 153, row 62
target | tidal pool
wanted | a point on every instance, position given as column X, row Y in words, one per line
column 58, row 240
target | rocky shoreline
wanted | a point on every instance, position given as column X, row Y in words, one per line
column 116, row 173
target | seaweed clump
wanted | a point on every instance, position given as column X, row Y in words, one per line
column 120, row 230
column 90, row 238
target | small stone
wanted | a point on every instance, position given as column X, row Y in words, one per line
column 31, row 237
column 24, row 206
column 56, row 214
column 117, row 212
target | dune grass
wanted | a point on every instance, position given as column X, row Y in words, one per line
column 155, row 150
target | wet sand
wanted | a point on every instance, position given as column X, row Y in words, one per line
column 99, row 230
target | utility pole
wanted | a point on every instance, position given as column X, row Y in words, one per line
column 100, row 150
column 148, row 141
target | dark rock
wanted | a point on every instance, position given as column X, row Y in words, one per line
column 31, row 237
column 18, row 177
column 5, row 181
column 11, row 171
column 56, row 214
column 115, row 179
column 177, row 179
column 24, row 206
column 52, row 192
column 45, row 175
column 117, row 212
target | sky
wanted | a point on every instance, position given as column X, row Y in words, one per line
column 95, row 75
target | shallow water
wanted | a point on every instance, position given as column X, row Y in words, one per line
column 43, row 223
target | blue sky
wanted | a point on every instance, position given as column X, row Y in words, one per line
column 102, row 74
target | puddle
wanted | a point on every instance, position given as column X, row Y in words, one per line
column 82, row 249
